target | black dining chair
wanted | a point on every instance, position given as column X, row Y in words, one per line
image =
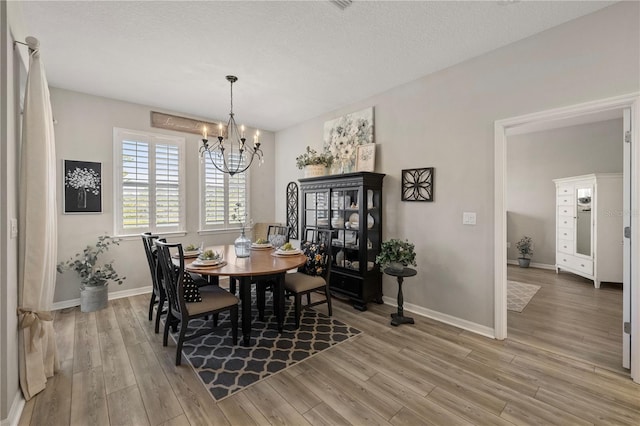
column 158, row 294
column 214, row 299
column 262, row 286
column 314, row 275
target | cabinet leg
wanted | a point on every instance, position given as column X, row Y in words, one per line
column 361, row 306
column 596, row 283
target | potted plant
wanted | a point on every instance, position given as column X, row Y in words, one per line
column 313, row 163
column 396, row 254
column 93, row 278
column 525, row 247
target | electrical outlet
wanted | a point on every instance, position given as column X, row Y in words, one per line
column 469, row 218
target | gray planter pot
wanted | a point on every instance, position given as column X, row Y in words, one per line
column 523, row 262
column 94, row 298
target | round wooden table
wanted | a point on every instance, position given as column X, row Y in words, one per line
column 262, row 264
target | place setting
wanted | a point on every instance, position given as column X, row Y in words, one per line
column 261, row 244
column 209, row 259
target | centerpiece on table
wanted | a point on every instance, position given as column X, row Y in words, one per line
column 94, row 278
column 396, row 255
column 242, row 244
column 314, row 163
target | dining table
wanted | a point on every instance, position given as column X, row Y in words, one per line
column 264, row 263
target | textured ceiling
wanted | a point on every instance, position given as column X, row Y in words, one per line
column 294, row 60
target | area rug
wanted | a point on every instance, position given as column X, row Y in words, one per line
column 225, row 369
column 519, row 295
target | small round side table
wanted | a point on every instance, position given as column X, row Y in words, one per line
column 399, row 318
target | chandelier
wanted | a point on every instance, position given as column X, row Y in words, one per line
column 230, row 153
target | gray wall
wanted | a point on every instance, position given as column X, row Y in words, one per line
column 84, row 131
column 534, row 159
column 446, row 119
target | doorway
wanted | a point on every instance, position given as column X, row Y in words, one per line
column 556, row 118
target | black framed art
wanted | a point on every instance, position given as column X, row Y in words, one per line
column 417, row 184
column 82, row 185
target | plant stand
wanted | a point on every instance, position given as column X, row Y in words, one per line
column 94, row 298
column 399, row 318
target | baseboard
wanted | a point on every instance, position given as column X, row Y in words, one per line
column 483, row 330
column 112, row 296
column 534, row 265
column 15, row 412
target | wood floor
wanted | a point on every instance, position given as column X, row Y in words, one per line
column 115, row 371
column 569, row 316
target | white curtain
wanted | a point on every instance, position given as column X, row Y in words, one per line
column 38, row 232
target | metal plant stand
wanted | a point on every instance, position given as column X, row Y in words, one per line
column 399, row 318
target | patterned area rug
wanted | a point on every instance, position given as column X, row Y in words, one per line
column 225, row 369
column 519, row 295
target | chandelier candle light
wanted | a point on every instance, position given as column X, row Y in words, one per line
column 229, row 154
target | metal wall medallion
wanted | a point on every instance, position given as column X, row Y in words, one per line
column 417, row 184
column 292, row 210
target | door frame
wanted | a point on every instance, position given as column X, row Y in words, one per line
column 501, row 127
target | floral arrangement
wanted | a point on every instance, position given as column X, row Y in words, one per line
column 396, row 251
column 87, row 179
column 84, row 264
column 239, row 215
column 525, row 247
column 311, row 158
column 345, row 134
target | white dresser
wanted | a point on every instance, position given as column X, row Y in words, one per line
column 589, row 230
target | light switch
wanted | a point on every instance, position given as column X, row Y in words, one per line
column 469, row 218
column 13, row 223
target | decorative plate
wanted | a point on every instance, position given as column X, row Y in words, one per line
column 288, row 252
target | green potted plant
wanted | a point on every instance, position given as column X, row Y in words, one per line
column 525, row 247
column 396, row 254
column 314, row 163
column 94, row 278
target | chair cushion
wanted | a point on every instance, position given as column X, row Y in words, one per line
column 299, row 282
column 316, row 264
column 191, row 291
column 213, row 299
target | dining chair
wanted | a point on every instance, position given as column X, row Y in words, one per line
column 214, row 299
column 158, row 294
column 276, row 235
column 314, row 274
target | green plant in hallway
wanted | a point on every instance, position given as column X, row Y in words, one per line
column 525, row 247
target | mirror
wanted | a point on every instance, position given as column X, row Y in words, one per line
column 583, row 221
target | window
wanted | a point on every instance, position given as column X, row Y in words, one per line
column 220, row 194
column 149, row 182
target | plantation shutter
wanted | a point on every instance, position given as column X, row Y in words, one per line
column 149, row 176
column 167, row 186
column 214, row 193
column 135, row 184
column 221, row 192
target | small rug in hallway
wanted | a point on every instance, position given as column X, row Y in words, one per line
column 225, row 369
column 519, row 294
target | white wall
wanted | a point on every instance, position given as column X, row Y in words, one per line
column 84, row 131
column 534, row 159
column 445, row 120
column 11, row 27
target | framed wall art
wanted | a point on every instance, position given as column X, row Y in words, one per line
column 417, row 184
column 82, row 184
column 366, row 157
column 344, row 134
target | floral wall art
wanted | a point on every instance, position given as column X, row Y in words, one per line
column 343, row 135
column 82, row 187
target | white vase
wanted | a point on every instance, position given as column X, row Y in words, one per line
column 94, row 298
column 313, row 170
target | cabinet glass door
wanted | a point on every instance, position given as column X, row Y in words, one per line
column 317, row 209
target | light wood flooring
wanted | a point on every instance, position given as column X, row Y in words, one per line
column 569, row 316
column 115, row 371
